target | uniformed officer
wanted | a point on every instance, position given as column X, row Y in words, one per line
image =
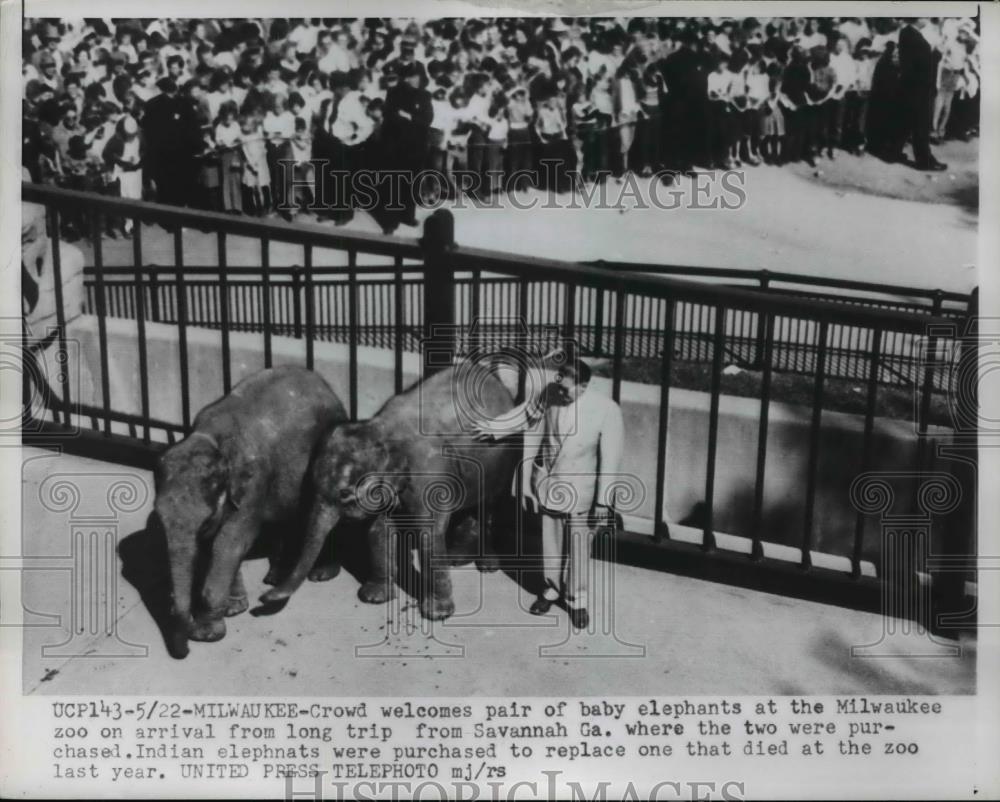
column 407, row 127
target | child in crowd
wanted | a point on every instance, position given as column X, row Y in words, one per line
column 279, row 128
column 496, row 143
column 772, row 127
column 519, row 145
column 256, row 176
column 758, row 91
column 228, row 139
column 305, row 175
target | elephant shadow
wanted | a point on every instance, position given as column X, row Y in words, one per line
column 146, row 567
column 143, row 556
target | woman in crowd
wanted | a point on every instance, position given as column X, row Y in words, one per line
column 530, row 98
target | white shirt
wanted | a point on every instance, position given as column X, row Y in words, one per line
column 845, row 68
column 720, row 83
column 279, row 126
column 353, row 125
column 337, row 60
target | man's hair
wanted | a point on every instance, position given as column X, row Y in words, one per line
column 576, row 369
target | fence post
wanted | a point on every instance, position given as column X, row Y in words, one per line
column 297, row 301
column 758, row 349
column 438, row 345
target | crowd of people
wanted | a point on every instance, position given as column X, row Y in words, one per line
column 270, row 116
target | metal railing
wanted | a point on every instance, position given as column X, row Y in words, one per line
column 434, row 282
column 539, row 312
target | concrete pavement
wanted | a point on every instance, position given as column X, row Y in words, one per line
column 664, row 634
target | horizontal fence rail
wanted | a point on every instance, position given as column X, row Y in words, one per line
column 389, row 292
column 539, row 324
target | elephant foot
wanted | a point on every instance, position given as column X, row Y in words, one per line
column 323, row 573
column 488, row 564
column 235, row 606
column 209, row 630
column 436, row 609
column 376, row 592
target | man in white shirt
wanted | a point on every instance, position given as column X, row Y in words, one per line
column 568, row 477
column 338, row 57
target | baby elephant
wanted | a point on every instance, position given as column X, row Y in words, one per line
column 243, row 466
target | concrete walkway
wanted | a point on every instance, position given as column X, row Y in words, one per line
column 788, row 222
column 668, row 634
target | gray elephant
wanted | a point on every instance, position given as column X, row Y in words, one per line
column 243, row 466
column 416, row 464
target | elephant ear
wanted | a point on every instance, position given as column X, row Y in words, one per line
column 239, row 479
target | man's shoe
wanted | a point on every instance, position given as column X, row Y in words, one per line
column 541, row 606
column 579, row 617
column 932, row 165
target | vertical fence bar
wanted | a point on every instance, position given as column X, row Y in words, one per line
column 599, row 321
column 352, row 322
column 296, row 302
column 60, row 315
column 866, row 448
column 764, row 355
column 182, row 315
column 102, row 326
column 718, row 341
column 619, row 347
column 475, row 312
column 307, row 260
column 265, row 305
column 140, row 322
column 398, row 312
column 154, row 286
column 661, row 529
column 765, row 280
column 814, row 434
column 569, row 319
column 521, row 327
column 227, row 381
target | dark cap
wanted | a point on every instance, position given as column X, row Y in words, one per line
column 167, row 85
column 35, row 89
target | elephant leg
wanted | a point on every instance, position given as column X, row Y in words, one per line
column 227, row 554
column 487, row 562
column 381, row 586
column 277, row 560
column 436, row 602
column 237, row 602
column 326, row 566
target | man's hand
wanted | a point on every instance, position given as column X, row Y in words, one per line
column 483, row 433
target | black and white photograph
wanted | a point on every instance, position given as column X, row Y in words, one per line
column 500, row 366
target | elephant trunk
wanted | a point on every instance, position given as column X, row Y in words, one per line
column 322, row 519
column 181, row 554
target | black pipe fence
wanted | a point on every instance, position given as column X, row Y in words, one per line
column 536, row 311
column 615, row 314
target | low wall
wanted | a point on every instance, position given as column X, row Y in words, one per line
column 840, row 448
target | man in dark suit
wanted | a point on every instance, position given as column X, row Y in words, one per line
column 917, row 85
column 408, row 115
column 684, row 79
column 171, row 135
